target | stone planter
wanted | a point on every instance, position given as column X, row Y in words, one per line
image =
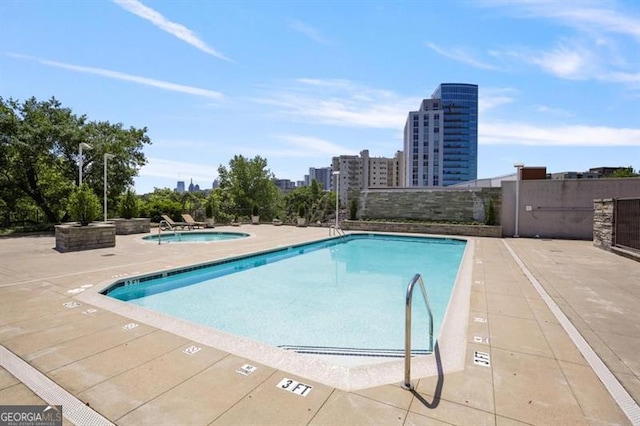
column 255, row 220
column 424, row 228
column 73, row 237
column 302, row 222
column 138, row 225
column 209, row 222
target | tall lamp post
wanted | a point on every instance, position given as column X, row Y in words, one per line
column 337, row 175
column 85, row 146
column 518, row 167
column 106, row 157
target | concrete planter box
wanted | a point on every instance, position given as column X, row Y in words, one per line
column 138, row 225
column 210, row 222
column 424, row 228
column 302, row 222
column 73, row 237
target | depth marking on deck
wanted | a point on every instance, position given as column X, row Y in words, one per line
column 480, row 320
column 481, row 339
column 130, row 326
column 481, row 358
column 630, row 408
column 193, row 349
column 71, row 305
column 246, row 369
column 294, row 387
column 90, row 311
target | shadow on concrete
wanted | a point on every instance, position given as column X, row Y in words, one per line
column 437, row 393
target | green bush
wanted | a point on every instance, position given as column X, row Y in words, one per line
column 129, row 204
column 490, row 215
column 84, row 205
column 302, row 210
column 353, row 209
column 208, row 209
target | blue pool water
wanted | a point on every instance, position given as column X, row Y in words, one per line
column 195, row 236
column 343, row 295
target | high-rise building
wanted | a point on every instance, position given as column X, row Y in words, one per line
column 358, row 172
column 180, row 187
column 322, row 175
column 441, row 138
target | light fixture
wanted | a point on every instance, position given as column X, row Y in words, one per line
column 80, row 147
column 106, row 157
column 518, row 167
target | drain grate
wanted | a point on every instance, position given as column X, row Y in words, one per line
column 72, row 408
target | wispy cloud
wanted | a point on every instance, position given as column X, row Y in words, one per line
column 565, row 61
column 461, row 55
column 513, row 133
column 584, row 15
column 558, row 112
column 314, row 146
column 173, row 28
column 164, row 85
column 309, row 31
column 340, row 103
column 493, row 97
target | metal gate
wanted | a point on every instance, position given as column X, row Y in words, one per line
column 627, row 223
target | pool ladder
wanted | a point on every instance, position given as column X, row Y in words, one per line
column 168, row 225
column 417, row 278
column 336, row 230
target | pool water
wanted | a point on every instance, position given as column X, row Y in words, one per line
column 195, row 236
column 342, row 296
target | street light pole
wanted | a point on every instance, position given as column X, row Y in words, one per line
column 85, row 146
column 106, row 157
column 518, row 167
column 337, row 175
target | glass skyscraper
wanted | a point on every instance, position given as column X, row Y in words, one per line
column 441, row 138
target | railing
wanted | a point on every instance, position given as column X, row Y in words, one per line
column 627, row 223
column 336, row 230
column 168, row 225
column 407, row 330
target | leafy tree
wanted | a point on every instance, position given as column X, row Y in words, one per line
column 247, row 182
column 39, row 154
column 84, row 205
column 624, row 172
column 353, row 209
column 129, row 204
column 163, row 201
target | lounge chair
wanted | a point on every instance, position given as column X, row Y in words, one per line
column 192, row 223
column 175, row 225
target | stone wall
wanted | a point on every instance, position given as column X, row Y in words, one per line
column 429, row 204
column 424, row 228
column 73, row 237
column 132, row 226
column 603, row 228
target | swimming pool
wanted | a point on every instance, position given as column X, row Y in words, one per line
column 341, row 297
column 195, row 237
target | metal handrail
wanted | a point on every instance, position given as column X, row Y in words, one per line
column 336, row 230
column 407, row 331
column 160, row 230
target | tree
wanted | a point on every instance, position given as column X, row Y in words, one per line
column 39, row 154
column 624, row 172
column 247, row 182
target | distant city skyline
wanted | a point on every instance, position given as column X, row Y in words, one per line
column 558, row 86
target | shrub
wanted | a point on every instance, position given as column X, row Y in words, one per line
column 490, row 216
column 254, row 210
column 84, row 205
column 353, row 209
column 129, row 205
column 208, row 209
column 302, row 210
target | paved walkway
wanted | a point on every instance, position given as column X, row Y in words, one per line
column 142, row 376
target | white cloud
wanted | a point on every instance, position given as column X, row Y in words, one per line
column 569, row 62
column 165, row 85
column 173, row 28
column 493, row 97
column 314, row 146
column 341, row 103
column 559, row 112
column 502, row 133
column 309, row 31
column 460, row 55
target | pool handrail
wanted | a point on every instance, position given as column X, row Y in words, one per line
column 407, row 330
column 160, row 230
column 336, row 230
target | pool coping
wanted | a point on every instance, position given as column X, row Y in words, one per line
column 451, row 345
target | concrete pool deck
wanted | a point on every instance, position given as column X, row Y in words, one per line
column 142, row 375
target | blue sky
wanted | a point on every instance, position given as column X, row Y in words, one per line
column 299, row 82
